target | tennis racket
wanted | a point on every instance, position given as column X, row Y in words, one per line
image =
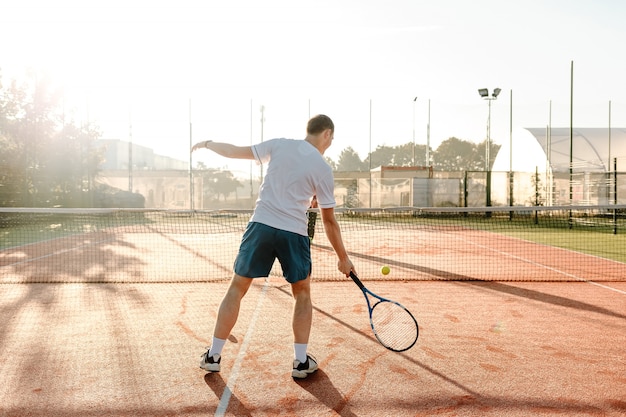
column 393, row 325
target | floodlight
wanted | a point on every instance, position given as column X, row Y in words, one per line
column 484, row 93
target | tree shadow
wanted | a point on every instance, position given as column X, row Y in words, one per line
column 543, row 297
column 370, row 338
column 319, row 385
column 217, row 384
column 495, row 285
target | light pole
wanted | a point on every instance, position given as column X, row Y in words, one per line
column 130, row 151
column 370, row 155
column 413, row 160
column 428, row 137
column 262, row 110
column 191, row 202
column 484, row 93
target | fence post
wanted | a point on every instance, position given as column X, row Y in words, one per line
column 511, row 201
column 615, row 195
column 465, row 192
column 536, row 193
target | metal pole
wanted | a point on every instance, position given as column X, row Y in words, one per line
column 130, row 151
column 370, row 156
column 262, row 123
column 191, row 200
column 487, row 157
column 251, row 162
column 571, row 142
column 511, row 152
column 615, row 195
column 549, row 157
column 488, row 137
column 465, row 192
column 414, row 161
column 428, row 137
column 609, row 164
column 536, row 193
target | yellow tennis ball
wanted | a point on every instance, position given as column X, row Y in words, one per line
column 385, row 270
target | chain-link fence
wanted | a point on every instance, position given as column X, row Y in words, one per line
column 176, row 189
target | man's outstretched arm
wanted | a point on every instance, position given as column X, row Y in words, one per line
column 225, row 149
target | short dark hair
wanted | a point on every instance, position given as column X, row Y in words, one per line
column 318, row 124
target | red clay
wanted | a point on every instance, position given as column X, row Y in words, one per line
column 485, row 349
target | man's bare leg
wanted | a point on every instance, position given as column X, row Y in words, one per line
column 302, row 311
column 304, row 364
column 229, row 308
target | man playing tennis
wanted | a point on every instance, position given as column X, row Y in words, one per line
column 278, row 229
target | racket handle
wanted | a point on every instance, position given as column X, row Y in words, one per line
column 356, row 280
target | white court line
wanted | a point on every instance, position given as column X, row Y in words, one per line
column 549, row 268
column 234, row 373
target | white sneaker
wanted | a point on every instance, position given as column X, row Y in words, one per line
column 210, row 363
column 303, row 369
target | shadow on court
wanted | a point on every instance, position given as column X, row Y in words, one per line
column 320, row 386
column 545, row 297
column 216, row 382
column 491, row 285
column 485, row 349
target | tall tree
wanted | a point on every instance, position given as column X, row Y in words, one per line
column 454, row 154
column 13, row 182
column 217, row 183
column 399, row 156
column 383, row 156
column 49, row 161
column 403, row 155
column 349, row 160
column 480, row 157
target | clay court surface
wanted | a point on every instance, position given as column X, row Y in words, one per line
column 485, row 349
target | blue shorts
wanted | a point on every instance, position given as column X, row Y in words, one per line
column 261, row 245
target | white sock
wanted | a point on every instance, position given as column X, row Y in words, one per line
column 217, row 346
column 300, row 351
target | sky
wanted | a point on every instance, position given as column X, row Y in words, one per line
column 164, row 73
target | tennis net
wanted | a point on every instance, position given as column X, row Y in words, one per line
column 142, row 245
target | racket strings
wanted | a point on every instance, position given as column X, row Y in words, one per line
column 394, row 326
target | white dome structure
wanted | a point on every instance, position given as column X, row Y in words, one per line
column 543, row 148
column 547, row 151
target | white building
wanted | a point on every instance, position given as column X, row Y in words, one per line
column 119, row 154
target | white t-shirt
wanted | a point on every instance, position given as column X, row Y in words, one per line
column 296, row 172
